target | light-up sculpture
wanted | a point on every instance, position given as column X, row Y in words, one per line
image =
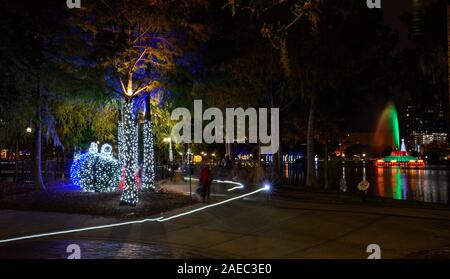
column 96, row 172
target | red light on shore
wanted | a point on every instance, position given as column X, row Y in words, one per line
column 411, row 164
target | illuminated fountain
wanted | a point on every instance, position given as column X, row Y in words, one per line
column 388, row 133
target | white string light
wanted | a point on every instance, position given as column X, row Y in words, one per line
column 130, row 155
column 239, row 186
column 160, row 220
column 148, row 168
column 120, row 142
column 96, row 172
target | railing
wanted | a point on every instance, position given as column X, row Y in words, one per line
column 52, row 170
column 22, row 171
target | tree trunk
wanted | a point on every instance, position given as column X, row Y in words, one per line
column 37, row 144
column 37, row 156
column 120, row 134
column 230, row 151
column 130, row 192
column 148, row 166
column 310, row 174
column 16, row 162
column 325, row 165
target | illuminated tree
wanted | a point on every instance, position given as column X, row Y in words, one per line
column 148, row 168
column 135, row 42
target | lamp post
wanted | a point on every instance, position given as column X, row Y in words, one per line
column 169, row 141
column 190, row 173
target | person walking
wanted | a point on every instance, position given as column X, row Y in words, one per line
column 205, row 183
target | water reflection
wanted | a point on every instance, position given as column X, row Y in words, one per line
column 426, row 185
column 430, row 184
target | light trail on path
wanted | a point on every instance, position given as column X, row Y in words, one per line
column 159, row 220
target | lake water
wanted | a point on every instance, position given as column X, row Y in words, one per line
column 429, row 184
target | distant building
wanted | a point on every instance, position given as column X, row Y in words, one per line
column 428, row 109
column 417, row 17
column 426, row 121
column 425, row 139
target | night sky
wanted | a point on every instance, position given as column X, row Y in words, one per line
column 392, row 10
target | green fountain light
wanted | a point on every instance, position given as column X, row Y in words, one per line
column 394, row 124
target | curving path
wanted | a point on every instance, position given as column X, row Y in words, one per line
column 255, row 226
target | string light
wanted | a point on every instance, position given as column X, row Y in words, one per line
column 75, row 168
column 148, row 169
column 239, row 186
column 120, row 141
column 79, row 160
column 160, row 219
column 96, row 172
column 129, row 156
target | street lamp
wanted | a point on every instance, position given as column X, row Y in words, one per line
column 169, row 141
column 29, row 130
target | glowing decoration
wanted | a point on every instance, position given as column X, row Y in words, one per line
column 75, row 168
column 120, row 141
column 148, row 168
column 78, row 161
column 99, row 172
column 400, row 159
column 403, row 148
column 198, row 159
column 130, row 156
column 93, row 149
column 107, row 150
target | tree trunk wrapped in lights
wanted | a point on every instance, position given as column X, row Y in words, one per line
column 129, row 155
column 120, row 141
column 148, row 167
column 120, row 133
column 142, row 51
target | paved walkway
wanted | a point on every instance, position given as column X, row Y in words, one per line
column 254, row 227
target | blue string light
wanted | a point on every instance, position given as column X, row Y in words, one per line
column 96, row 172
